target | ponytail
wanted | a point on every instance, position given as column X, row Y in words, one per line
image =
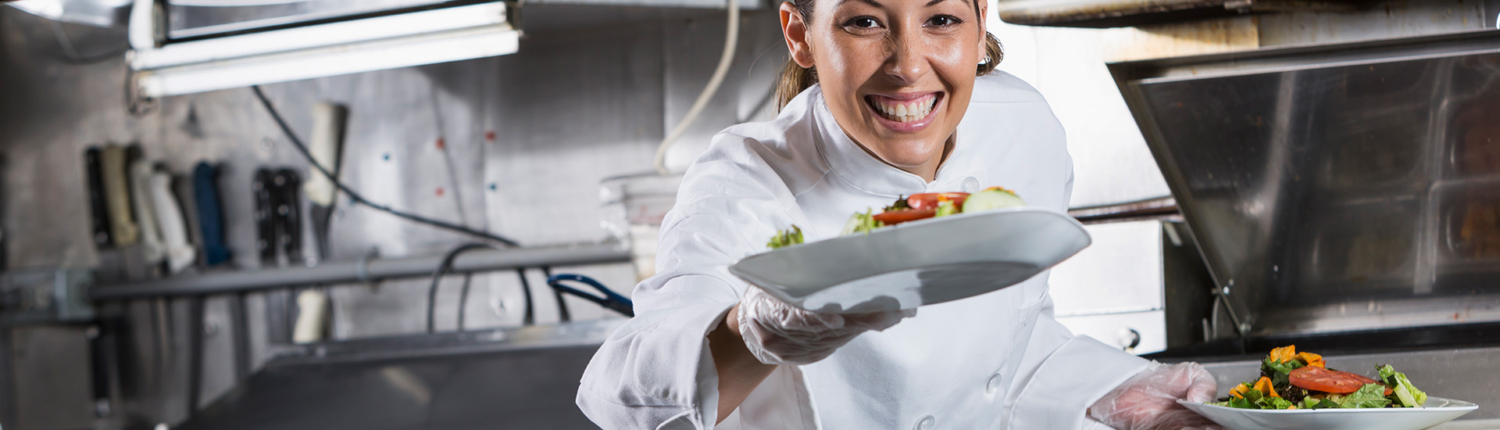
column 795, row 79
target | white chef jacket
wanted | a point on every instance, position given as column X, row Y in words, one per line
column 994, row 361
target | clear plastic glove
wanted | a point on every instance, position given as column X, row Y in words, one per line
column 777, row 333
column 1148, row 401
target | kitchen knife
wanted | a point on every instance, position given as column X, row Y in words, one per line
column 122, row 226
column 98, row 208
column 179, row 252
column 210, row 214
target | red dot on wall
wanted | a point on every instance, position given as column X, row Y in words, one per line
column 441, row 144
column 440, row 191
column 489, row 136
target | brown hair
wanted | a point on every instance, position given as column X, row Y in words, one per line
column 795, row 79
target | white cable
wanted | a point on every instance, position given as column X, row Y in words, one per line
column 730, row 40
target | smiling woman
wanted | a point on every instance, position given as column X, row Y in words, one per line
column 880, row 99
column 898, row 75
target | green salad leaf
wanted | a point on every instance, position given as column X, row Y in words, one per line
column 945, row 208
column 786, row 238
column 1403, row 391
column 861, row 222
column 1368, row 396
column 1279, row 372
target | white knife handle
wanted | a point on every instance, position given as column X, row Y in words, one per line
column 174, row 233
column 327, row 140
column 140, row 192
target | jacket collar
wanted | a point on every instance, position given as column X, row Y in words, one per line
column 862, row 170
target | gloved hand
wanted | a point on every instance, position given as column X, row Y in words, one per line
column 777, row 333
column 1148, row 401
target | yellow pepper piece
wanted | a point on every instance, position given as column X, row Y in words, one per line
column 1264, row 385
column 1310, row 359
column 1291, row 407
column 1284, row 354
column 1239, row 391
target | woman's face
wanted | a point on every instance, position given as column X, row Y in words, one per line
column 897, row 74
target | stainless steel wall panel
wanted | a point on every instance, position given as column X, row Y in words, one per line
column 51, row 366
column 1334, row 187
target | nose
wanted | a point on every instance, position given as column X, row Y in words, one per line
column 907, row 61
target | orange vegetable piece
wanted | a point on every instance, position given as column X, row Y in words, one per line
column 1284, row 354
column 1265, row 387
column 1310, row 359
column 1239, row 391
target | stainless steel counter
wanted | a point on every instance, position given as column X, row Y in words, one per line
column 507, row 378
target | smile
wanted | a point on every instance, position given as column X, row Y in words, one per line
column 904, row 113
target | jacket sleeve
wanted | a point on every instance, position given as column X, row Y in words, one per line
column 1061, row 375
column 655, row 371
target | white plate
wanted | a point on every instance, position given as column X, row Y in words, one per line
column 1437, row 411
column 917, row 263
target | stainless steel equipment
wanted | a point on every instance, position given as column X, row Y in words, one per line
column 454, row 381
column 1336, row 188
column 1141, row 286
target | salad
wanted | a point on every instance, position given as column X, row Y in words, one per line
column 917, row 207
column 1293, row 380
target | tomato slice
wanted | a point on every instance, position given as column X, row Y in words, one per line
column 1330, row 381
column 930, row 200
column 906, row 215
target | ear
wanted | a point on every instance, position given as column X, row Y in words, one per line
column 794, row 29
column 984, row 28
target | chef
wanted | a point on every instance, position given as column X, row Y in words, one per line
column 880, row 99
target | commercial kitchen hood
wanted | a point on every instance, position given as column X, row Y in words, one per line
column 1124, row 13
column 1336, row 188
column 310, row 45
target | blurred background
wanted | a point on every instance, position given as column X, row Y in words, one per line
column 1254, row 173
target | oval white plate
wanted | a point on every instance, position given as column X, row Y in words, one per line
column 917, row 263
column 1437, row 411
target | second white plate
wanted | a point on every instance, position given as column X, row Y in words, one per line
column 1437, row 411
column 917, row 263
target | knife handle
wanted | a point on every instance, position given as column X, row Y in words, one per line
column 117, row 196
column 145, row 210
column 288, row 214
column 210, row 213
column 265, row 224
column 174, row 233
column 98, row 208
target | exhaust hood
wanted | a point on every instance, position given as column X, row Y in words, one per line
column 176, row 52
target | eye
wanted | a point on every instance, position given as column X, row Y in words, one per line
column 944, row 21
column 862, row 22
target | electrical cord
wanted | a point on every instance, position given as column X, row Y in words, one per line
column 529, row 318
column 442, row 269
column 463, row 299
column 731, row 38
column 360, row 199
column 607, row 299
column 562, row 307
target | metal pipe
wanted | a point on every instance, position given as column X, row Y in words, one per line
column 357, row 271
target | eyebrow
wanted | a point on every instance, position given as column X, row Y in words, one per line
column 877, row 4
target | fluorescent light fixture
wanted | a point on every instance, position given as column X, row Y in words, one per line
column 379, row 43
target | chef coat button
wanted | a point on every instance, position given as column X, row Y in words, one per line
column 926, row 423
column 993, row 385
column 971, row 185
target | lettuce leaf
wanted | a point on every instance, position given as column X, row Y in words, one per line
column 1279, row 372
column 1403, row 390
column 786, row 238
column 861, row 222
column 1368, row 396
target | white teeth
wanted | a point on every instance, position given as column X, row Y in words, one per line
column 907, row 112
